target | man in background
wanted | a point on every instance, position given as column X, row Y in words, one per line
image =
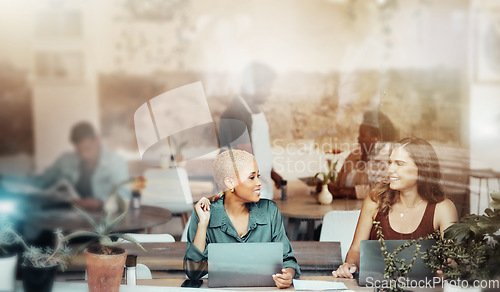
column 245, row 113
column 92, row 170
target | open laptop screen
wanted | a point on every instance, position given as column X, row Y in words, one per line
column 371, row 261
column 244, row 264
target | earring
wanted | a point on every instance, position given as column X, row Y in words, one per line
column 232, row 190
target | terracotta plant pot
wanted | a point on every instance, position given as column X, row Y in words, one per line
column 38, row 279
column 105, row 272
column 325, row 197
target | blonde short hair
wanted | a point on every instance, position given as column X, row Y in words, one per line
column 228, row 164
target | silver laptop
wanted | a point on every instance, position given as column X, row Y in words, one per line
column 244, row 264
column 371, row 261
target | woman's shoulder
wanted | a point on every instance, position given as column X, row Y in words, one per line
column 267, row 204
column 370, row 206
column 445, row 213
column 445, row 208
column 445, row 205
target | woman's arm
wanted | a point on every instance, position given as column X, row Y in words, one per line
column 363, row 229
column 291, row 268
column 445, row 215
column 195, row 259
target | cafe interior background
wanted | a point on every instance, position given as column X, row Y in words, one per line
column 433, row 67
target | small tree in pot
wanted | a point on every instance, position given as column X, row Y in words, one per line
column 104, row 259
column 40, row 264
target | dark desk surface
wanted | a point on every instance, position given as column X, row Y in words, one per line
column 311, row 256
column 69, row 220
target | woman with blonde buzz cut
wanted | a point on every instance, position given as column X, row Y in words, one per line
column 238, row 215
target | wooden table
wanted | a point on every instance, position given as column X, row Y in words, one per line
column 68, row 220
column 176, row 282
column 318, row 257
column 306, row 208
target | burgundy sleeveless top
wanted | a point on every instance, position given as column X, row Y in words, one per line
column 425, row 227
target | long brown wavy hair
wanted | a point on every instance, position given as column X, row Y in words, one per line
column 428, row 181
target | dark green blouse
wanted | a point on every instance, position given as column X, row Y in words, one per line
column 265, row 224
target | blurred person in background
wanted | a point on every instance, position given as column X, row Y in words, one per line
column 257, row 82
column 92, row 170
column 362, row 165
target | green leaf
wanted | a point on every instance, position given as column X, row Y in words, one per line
column 81, row 233
column 131, row 239
column 117, row 220
column 323, row 180
column 495, row 196
column 495, row 205
column 87, row 217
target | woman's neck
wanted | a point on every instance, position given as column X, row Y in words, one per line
column 409, row 197
column 234, row 205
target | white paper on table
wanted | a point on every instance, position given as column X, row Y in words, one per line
column 318, row 285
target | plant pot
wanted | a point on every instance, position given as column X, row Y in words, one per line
column 449, row 287
column 325, row 197
column 38, row 279
column 8, row 266
column 105, row 272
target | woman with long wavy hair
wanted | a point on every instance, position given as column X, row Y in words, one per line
column 409, row 205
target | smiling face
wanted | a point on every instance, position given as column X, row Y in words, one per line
column 402, row 171
column 248, row 190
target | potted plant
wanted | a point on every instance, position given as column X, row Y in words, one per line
column 396, row 268
column 9, row 242
column 104, row 259
column 40, row 265
column 324, row 196
column 470, row 250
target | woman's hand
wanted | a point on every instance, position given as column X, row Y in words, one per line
column 284, row 280
column 202, row 209
column 439, row 273
column 345, row 271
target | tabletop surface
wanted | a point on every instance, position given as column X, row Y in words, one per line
column 307, row 207
column 69, row 220
column 311, row 256
column 173, row 284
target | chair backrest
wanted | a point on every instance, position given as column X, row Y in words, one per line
column 143, row 272
column 340, row 226
column 145, row 238
column 167, row 188
column 185, row 231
